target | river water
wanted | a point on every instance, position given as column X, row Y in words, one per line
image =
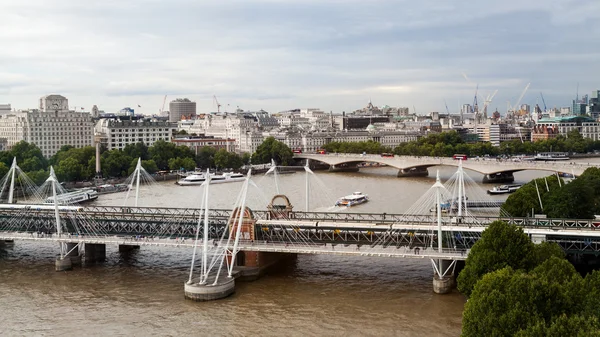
column 319, row 295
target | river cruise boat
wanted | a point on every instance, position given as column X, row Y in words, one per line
column 551, row 156
column 199, row 178
column 504, row 189
column 74, row 197
column 227, row 178
column 353, row 199
column 192, row 179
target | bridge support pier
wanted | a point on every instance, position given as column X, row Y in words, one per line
column 209, row 292
column 94, row 252
column 73, row 253
column 63, row 264
column 252, row 265
column 128, row 248
column 443, row 280
column 7, row 242
column 413, row 172
column 344, row 168
column 501, row 177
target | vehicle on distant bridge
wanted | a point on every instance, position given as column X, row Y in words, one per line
column 387, row 154
column 460, row 157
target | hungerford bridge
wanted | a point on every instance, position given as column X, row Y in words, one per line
column 409, row 166
column 248, row 242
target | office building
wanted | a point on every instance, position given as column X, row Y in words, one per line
column 181, row 108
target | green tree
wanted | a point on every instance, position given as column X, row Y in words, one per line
column 187, row 164
column 205, row 158
column 69, row 170
column 162, row 151
column 149, row 166
column 246, row 158
column 224, row 159
column 272, row 149
column 538, row 303
column 564, row 325
column 501, row 245
column 3, row 169
column 29, row 157
column 115, row 163
column 137, row 150
column 38, row 177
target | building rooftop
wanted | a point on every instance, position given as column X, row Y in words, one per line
column 566, row 119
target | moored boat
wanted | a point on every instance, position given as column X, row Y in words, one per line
column 228, row 177
column 192, row 179
column 504, row 189
column 199, row 178
column 551, row 156
column 353, row 199
column 74, row 197
column 109, row 188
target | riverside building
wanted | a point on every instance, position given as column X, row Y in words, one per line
column 118, row 132
column 50, row 127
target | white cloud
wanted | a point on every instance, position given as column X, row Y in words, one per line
column 276, row 54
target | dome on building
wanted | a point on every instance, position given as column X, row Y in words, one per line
column 371, row 128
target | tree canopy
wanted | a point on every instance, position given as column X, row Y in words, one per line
column 502, row 245
column 550, row 300
column 271, row 148
column 518, row 288
column 579, row 199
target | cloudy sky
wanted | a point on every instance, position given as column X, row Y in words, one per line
column 284, row 54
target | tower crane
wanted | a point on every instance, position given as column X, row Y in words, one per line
column 543, row 101
column 217, row 103
column 516, row 106
column 163, row 106
column 447, row 110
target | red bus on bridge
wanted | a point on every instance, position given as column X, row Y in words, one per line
column 460, row 157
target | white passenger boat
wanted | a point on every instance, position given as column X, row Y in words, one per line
column 552, row 156
column 192, row 179
column 74, row 197
column 504, row 189
column 353, row 199
column 227, row 178
column 198, row 179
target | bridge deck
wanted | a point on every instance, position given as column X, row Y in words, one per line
column 481, row 166
column 259, row 246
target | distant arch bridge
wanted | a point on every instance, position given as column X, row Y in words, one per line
column 410, row 166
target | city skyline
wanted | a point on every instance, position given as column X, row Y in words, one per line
column 276, row 55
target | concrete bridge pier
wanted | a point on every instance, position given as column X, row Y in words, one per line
column 63, row 264
column 252, row 265
column 413, row 172
column 4, row 243
column 443, row 280
column 345, row 167
column 94, row 252
column 128, row 249
column 73, row 253
column 500, row 177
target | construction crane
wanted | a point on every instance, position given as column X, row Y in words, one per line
column 543, row 101
column 163, row 106
column 487, row 101
column 216, row 101
column 516, row 106
column 447, row 110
